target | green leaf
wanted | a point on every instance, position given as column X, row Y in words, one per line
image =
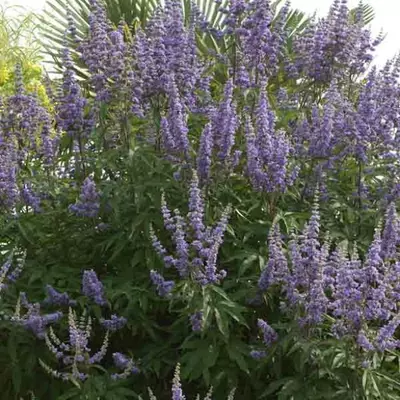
column 69, row 394
column 220, row 292
column 236, row 356
column 235, row 312
column 274, row 386
column 124, row 392
column 222, row 323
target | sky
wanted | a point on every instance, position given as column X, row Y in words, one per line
column 386, row 19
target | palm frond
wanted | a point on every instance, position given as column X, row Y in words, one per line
column 53, row 22
column 296, row 22
column 137, row 12
column 17, row 41
column 275, row 5
column 212, row 11
column 367, row 13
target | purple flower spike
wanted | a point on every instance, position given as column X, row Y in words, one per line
column 205, row 153
column 178, row 129
column 182, row 246
column 267, row 151
column 385, row 339
column 30, row 198
column 364, row 343
column 114, row 324
column 269, row 334
column 276, row 271
column 177, row 393
column 196, row 208
column 196, row 321
column 93, row 288
column 258, row 354
column 103, row 53
column 120, row 360
column 70, row 113
column 225, row 124
column 215, row 240
column 164, row 287
column 391, row 233
column 56, row 298
column 37, row 323
column 88, row 204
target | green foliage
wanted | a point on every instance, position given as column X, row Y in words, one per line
column 19, row 46
column 17, row 37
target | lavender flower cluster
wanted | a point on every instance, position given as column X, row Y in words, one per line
column 10, row 274
column 33, row 320
column 103, row 52
column 166, row 54
column 334, row 46
column 122, row 362
column 113, row 324
column 74, row 355
column 177, row 392
column 88, row 204
column 196, row 245
column 56, row 298
column 26, row 135
column 217, row 141
column 342, row 128
column 268, row 152
column 163, row 63
column 162, row 66
column 71, row 113
column 259, row 42
column 361, row 296
column 76, row 352
column 30, row 198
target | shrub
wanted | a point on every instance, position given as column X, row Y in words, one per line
column 143, row 196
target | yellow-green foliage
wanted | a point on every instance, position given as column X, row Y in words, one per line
column 18, row 45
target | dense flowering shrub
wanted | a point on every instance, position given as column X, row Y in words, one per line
column 165, row 161
column 360, row 296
